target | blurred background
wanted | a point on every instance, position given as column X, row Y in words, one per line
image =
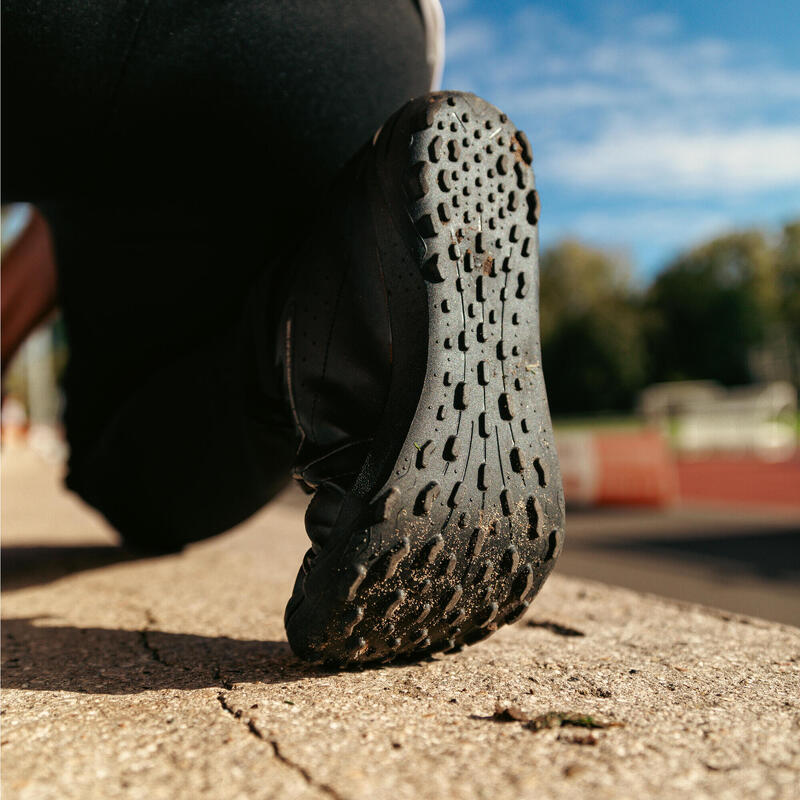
column 666, row 144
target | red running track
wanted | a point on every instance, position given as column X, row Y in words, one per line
column 740, row 482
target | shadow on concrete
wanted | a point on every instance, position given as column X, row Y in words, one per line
column 34, row 566
column 42, row 657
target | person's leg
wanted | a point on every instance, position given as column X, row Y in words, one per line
column 265, row 100
column 177, row 151
column 27, row 281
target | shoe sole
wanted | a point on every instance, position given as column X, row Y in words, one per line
column 456, row 537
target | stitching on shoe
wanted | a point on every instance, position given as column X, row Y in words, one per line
column 290, row 383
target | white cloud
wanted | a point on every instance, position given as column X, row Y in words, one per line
column 703, row 70
column 655, row 25
column 454, row 6
column 640, row 112
column 576, row 95
column 664, row 226
column 657, row 162
column 637, row 107
column 467, row 40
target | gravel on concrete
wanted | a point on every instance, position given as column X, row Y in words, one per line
column 171, row 678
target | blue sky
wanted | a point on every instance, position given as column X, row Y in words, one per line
column 654, row 125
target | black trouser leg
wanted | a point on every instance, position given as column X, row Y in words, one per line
column 176, row 149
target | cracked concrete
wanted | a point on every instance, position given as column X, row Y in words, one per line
column 171, row 678
column 253, row 728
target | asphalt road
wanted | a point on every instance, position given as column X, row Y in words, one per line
column 746, row 561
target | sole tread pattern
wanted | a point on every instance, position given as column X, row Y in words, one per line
column 468, row 527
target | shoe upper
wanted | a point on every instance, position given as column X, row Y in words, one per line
column 335, row 343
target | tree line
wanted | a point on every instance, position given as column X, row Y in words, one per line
column 727, row 310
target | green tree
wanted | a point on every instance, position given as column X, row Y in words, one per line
column 710, row 307
column 592, row 348
column 788, row 269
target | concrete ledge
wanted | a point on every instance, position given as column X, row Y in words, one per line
column 170, row 678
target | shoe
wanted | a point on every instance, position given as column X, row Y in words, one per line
column 411, row 363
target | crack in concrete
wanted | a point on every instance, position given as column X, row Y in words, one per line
column 226, row 684
column 154, row 652
column 276, row 750
column 144, row 638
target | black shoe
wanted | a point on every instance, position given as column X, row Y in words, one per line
column 413, row 371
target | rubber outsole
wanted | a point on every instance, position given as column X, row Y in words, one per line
column 460, row 537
